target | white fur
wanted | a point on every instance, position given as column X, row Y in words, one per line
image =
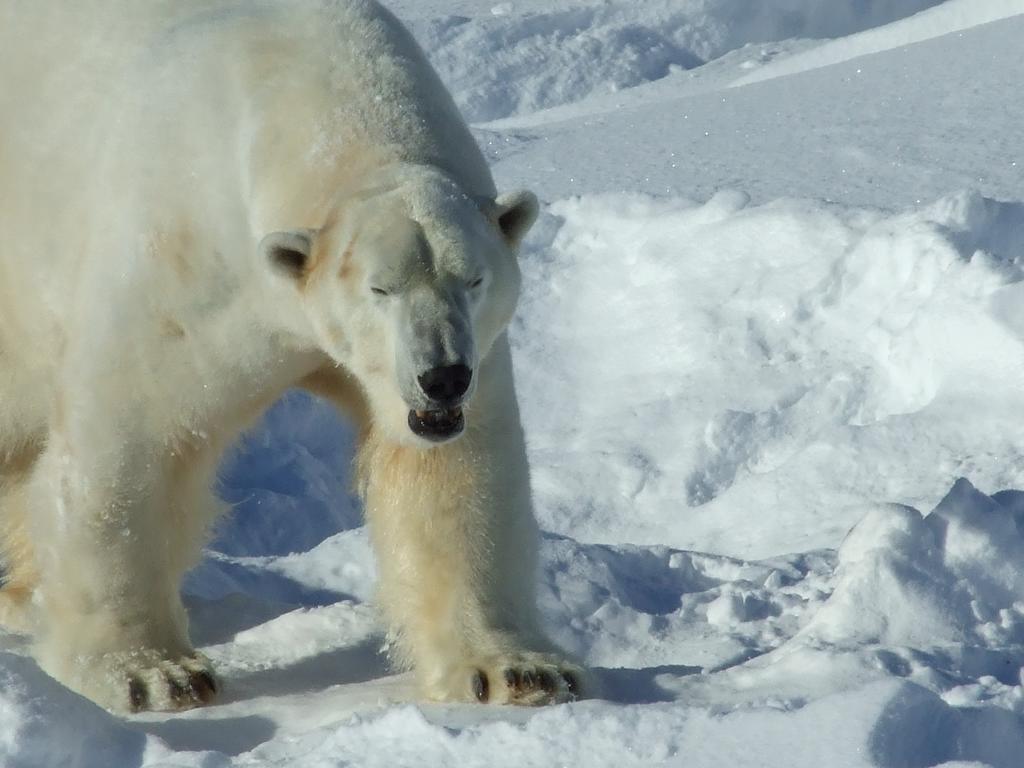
column 156, row 160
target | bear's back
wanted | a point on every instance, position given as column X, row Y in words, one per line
column 200, row 103
column 86, row 80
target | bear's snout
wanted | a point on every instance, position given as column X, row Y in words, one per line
column 446, row 384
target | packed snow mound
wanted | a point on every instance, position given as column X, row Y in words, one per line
column 498, row 66
column 707, row 357
column 954, row 578
column 946, row 18
column 933, row 600
column 655, row 608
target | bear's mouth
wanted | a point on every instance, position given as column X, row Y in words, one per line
column 439, row 425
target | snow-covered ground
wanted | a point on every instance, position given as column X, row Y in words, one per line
column 770, row 355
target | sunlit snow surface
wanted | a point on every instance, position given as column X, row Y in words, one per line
column 772, row 314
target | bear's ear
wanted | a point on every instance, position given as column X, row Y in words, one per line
column 515, row 213
column 288, row 253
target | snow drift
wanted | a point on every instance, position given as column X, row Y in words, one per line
column 710, row 359
column 504, row 63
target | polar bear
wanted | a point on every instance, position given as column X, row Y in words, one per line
column 202, row 204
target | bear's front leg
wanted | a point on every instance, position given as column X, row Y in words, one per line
column 456, row 544
column 109, row 546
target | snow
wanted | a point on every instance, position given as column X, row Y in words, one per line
column 547, row 56
column 768, row 356
column 947, row 18
column 895, row 129
column 845, row 318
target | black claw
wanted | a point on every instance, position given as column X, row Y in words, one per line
column 512, row 679
column 547, row 682
column 179, row 693
column 137, row 694
column 481, row 689
column 571, row 683
column 203, row 685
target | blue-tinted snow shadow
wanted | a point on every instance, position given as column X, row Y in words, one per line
column 224, row 598
column 918, row 729
column 994, row 227
column 212, row 622
column 288, row 481
column 639, row 686
column 341, row 666
column 226, row 735
column 1012, row 501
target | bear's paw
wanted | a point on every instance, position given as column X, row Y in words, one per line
column 178, row 685
column 526, row 679
column 145, row 681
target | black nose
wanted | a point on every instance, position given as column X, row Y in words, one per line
column 447, row 383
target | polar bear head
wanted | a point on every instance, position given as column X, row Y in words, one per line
column 407, row 286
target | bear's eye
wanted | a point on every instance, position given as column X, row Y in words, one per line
column 476, row 282
column 378, row 291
